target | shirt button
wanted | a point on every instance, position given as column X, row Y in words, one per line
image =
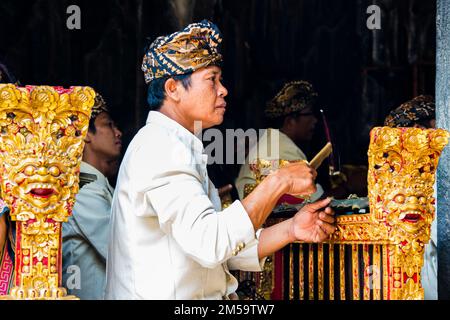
column 241, row 246
column 234, row 253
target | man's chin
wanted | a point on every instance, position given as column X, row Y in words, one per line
column 217, row 121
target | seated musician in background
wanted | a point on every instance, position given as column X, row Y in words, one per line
column 86, row 234
column 420, row 112
column 6, row 250
column 7, row 227
column 3, row 230
column 3, row 227
column 291, row 117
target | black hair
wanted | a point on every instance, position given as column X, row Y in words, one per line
column 92, row 127
column 156, row 93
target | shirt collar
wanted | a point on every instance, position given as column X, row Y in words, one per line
column 87, row 168
column 186, row 136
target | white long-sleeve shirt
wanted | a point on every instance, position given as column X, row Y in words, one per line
column 169, row 238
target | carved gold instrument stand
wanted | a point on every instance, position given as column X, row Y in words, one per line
column 375, row 255
column 41, row 145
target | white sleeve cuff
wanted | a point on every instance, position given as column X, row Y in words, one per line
column 247, row 259
column 240, row 226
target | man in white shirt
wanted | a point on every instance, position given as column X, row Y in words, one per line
column 170, row 238
column 291, row 115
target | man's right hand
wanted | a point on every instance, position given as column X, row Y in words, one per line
column 298, row 178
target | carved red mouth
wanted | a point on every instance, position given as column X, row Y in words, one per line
column 42, row 193
column 410, row 217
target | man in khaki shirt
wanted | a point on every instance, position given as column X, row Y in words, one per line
column 86, row 233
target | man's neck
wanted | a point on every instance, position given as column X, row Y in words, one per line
column 287, row 133
column 106, row 167
column 173, row 113
column 298, row 143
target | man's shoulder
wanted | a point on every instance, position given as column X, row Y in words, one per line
column 92, row 186
column 153, row 135
column 91, row 178
column 158, row 142
column 87, row 178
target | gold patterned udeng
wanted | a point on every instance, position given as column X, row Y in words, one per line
column 182, row 52
column 41, row 144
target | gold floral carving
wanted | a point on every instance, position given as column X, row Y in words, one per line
column 402, row 167
column 41, row 144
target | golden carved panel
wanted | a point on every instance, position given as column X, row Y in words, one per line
column 41, row 145
column 401, row 175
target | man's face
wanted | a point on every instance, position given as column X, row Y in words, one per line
column 304, row 125
column 204, row 100
column 106, row 141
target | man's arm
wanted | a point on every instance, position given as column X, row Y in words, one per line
column 91, row 213
column 294, row 179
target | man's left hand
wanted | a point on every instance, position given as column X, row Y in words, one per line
column 313, row 223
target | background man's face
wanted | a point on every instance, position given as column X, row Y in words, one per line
column 106, row 141
column 204, row 100
column 304, row 125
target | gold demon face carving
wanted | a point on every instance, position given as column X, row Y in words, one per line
column 402, row 166
column 42, row 186
column 409, row 207
column 41, row 144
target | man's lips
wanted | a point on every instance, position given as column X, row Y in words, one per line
column 222, row 106
column 42, row 192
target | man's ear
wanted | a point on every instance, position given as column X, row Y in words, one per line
column 288, row 122
column 171, row 89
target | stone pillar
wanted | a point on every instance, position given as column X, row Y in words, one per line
column 443, row 121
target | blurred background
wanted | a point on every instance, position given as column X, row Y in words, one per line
column 360, row 74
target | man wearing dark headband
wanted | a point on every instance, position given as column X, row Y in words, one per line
column 170, row 238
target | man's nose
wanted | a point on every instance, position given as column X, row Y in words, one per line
column 118, row 133
column 223, row 92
